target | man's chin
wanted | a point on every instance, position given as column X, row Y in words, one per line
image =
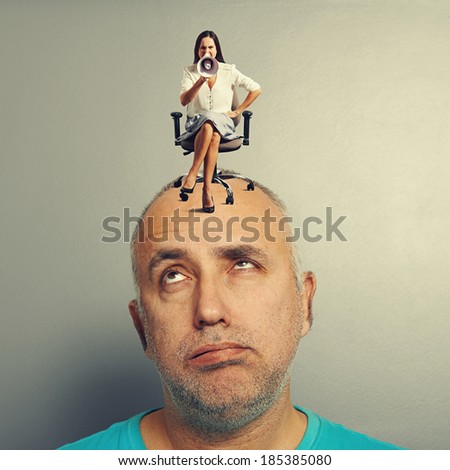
column 221, row 405
column 220, row 415
column 220, row 392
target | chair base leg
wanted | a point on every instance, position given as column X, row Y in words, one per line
column 218, row 178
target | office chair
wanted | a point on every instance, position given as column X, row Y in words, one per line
column 230, row 146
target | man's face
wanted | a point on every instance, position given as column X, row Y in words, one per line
column 223, row 316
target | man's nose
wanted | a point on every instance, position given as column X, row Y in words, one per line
column 211, row 306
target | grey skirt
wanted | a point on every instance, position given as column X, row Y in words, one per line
column 221, row 122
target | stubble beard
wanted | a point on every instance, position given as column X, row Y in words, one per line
column 205, row 412
column 212, row 411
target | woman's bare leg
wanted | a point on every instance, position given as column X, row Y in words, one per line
column 201, row 144
column 208, row 168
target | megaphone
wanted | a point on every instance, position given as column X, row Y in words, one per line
column 207, row 66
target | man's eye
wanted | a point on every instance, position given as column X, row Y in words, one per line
column 173, row 276
column 244, row 264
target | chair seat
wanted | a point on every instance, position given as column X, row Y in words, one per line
column 225, row 146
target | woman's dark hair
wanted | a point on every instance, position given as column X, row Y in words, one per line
column 213, row 36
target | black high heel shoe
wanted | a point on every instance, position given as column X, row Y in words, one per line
column 210, row 209
column 189, row 190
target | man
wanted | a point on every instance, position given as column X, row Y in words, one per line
column 221, row 307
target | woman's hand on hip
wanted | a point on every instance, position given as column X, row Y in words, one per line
column 233, row 114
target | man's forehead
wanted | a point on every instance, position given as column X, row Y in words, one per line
column 170, row 218
column 253, row 219
column 246, row 202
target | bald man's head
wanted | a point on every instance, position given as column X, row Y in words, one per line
column 219, row 303
column 257, row 213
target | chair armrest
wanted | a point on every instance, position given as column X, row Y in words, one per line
column 247, row 116
column 176, row 116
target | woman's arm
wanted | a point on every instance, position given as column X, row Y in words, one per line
column 245, row 104
column 189, row 95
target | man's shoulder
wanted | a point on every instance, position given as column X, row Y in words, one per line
column 124, row 435
column 322, row 434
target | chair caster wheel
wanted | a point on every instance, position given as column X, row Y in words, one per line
column 229, row 200
column 184, row 196
column 250, row 186
column 177, row 183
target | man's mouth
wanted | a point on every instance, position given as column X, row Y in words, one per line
column 212, row 354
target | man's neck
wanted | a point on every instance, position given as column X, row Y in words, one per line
column 280, row 427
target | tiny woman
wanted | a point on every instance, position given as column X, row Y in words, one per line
column 209, row 114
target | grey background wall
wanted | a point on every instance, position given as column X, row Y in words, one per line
column 354, row 116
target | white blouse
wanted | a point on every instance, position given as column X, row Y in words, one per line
column 220, row 97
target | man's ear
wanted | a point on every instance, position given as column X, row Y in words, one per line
column 135, row 313
column 306, row 298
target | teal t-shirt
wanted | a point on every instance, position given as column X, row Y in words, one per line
column 320, row 434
